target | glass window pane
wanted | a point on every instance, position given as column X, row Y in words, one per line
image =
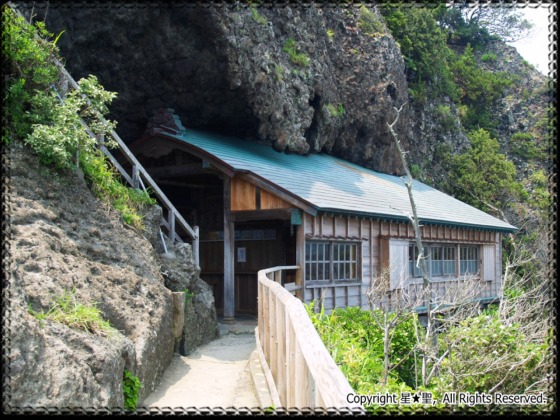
column 313, row 252
column 335, row 252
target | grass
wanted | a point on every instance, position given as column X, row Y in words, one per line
column 291, row 48
column 66, row 310
column 257, row 17
column 106, row 184
column 335, row 111
column 369, row 23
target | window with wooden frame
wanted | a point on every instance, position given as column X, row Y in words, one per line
column 331, row 261
column 468, row 261
column 442, row 259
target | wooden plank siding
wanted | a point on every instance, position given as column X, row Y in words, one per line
column 374, row 235
column 247, row 196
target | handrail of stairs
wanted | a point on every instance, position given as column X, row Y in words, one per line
column 139, row 173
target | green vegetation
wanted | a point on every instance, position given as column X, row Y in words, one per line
column 488, row 57
column 131, row 386
column 257, row 17
column 433, row 69
column 66, row 310
column 478, row 90
column 279, row 72
column 482, row 176
column 369, row 23
column 472, row 340
column 445, row 116
column 355, row 342
column 188, row 296
column 524, row 145
column 291, row 48
column 336, row 111
column 36, row 115
column 330, row 34
column 423, row 44
column 479, row 353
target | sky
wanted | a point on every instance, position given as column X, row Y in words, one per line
column 535, row 49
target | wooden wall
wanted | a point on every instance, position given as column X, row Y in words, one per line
column 246, row 196
column 370, row 233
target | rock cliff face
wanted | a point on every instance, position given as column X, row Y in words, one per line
column 227, row 69
column 62, row 238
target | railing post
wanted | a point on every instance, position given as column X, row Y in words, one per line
column 135, row 176
column 171, row 222
column 196, row 249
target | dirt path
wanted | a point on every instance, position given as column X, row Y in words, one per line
column 215, row 375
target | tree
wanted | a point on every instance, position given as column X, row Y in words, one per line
column 478, row 24
column 423, row 45
column 482, row 176
column 499, row 19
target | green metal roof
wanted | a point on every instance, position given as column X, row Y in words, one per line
column 333, row 185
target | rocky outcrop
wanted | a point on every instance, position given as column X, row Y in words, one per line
column 62, row 239
column 303, row 79
column 182, row 275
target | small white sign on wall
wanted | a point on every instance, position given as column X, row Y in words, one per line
column 241, row 254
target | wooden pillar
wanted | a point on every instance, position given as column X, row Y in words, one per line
column 300, row 257
column 229, row 248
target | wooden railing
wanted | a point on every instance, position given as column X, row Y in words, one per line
column 304, row 373
column 136, row 179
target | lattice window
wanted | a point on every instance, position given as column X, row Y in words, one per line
column 331, row 261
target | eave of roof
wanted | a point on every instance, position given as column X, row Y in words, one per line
column 328, row 184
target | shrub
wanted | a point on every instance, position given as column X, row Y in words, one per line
column 486, row 353
column 488, row 57
column 66, row 310
column 355, row 342
column 482, row 176
column 445, row 116
column 524, row 146
column 291, row 48
column 330, row 34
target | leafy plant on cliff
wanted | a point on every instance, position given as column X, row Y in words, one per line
column 291, row 48
column 336, row 111
column 36, row 115
column 131, row 386
column 369, row 23
column 257, row 17
column 478, row 90
column 188, row 295
column 423, row 45
column 68, row 311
